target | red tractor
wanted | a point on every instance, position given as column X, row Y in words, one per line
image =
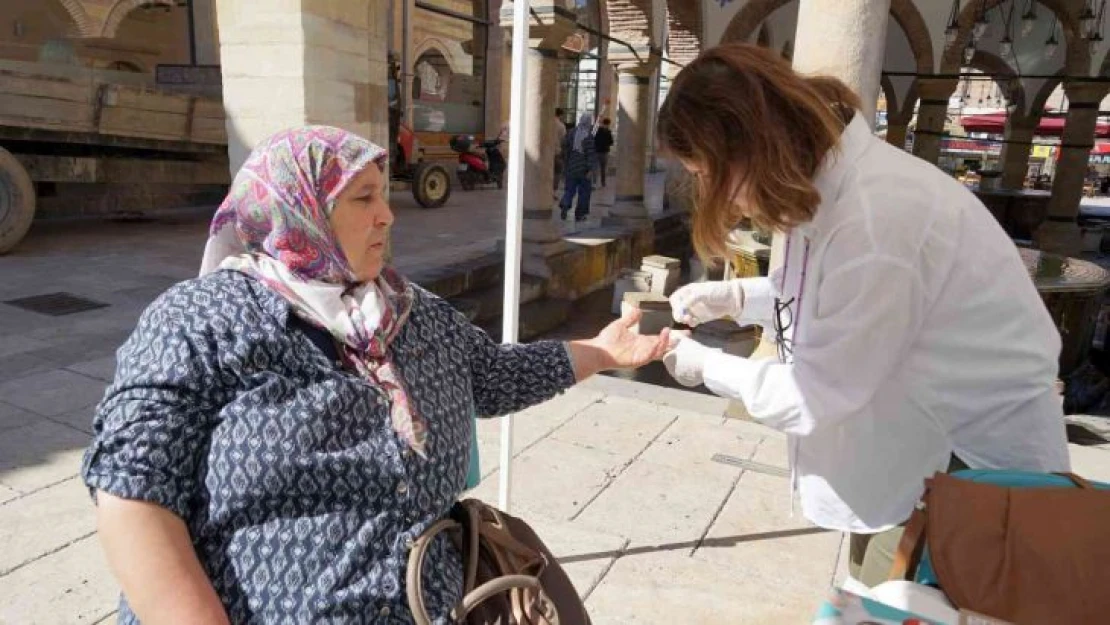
column 431, row 182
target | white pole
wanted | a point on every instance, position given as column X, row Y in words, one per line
column 514, row 216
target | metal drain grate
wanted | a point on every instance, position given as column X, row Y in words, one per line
column 56, row 304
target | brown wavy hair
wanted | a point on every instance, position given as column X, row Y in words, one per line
column 755, row 131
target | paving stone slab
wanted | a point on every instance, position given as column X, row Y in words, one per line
column 7, row 494
column 23, row 365
column 659, row 504
column 660, row 396
column 584, row 554
column 530, row 425
column 80, row 419
column 40, row 454
column 671, row 587
column 101, row 368
column 70, row 587
column 555, row 479
column 18, row 343
column 52, row 392
column 43, row 522
column 618, row 425
column 13, row 417
column 691, row 442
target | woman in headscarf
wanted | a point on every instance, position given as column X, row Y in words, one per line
column 579, row 160
column 282, row 428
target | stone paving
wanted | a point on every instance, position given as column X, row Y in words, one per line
column 615, row 475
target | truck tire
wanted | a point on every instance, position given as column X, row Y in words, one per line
column 431, row 185
column 17, row 201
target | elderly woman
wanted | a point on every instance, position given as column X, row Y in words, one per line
column 282, row 428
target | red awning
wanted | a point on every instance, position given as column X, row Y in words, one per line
column 995, row 123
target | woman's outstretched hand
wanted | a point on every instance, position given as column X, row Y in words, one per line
column 618, row 346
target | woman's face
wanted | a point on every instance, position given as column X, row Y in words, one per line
column 360, row 220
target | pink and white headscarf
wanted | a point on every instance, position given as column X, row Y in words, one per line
column 274, row 226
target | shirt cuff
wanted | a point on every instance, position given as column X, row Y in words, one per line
column 725, row 374
column 759, row 300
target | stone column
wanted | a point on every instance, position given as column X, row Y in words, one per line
column 846, row 39
column 497, row 76
column 896, row 135
column 302, row 62
column 551, row 24
column 206, row 40
column 1060, row 232
column 932, row 114
column 634, row 100
column 1016, row 150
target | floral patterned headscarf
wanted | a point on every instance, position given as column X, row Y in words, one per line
column 275, row 227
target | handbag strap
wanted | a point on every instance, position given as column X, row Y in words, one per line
column 414, row 578
column 912, row 544
column 1077, row 480
column 493, row 588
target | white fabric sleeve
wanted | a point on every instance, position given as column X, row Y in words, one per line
column 759, row 301
column 868, row 313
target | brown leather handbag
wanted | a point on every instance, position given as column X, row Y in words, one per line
column 511, row 578
column 1034, row 555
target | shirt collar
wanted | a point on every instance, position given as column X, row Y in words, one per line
column 834, row 168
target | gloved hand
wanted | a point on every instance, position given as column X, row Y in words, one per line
column 705, row 301
column 686, row 360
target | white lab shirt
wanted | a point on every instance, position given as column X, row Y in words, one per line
column 917, row 333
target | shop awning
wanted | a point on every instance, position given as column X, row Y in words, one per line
column 995, row 123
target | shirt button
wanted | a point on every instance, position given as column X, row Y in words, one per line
column 402, row 488
column 385, row 611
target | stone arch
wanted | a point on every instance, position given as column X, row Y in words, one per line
column 122, row 9
column 1001, row 73
column 684, row 30
column 81, row 19
column 764, row 38
column 434, row 45
column 904, row 12
column 1036, row 107
column 887, row 87
column 633, row 21
column 1076, row 62
column 907, row 16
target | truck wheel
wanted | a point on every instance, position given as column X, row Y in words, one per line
column 431, row 185
column 17, row 201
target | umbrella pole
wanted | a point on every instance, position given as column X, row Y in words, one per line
column 514, row 215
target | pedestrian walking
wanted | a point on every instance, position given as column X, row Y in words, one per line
column 603, row 142
column 580, row 159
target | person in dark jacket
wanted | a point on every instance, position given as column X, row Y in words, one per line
column 603, row 142
column 579, row 160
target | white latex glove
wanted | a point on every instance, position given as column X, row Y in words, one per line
column 686, row 360
column 705, row 301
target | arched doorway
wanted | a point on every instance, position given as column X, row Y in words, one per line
column 580, row 68
column 449, row 59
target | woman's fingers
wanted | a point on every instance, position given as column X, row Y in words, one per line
column 631, row 318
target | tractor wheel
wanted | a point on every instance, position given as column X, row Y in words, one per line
column 17, row 201
column 431, row 185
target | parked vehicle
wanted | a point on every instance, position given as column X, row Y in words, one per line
column 431, row 182
column 475, row 168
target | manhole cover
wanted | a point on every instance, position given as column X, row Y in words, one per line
column 56, row 304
